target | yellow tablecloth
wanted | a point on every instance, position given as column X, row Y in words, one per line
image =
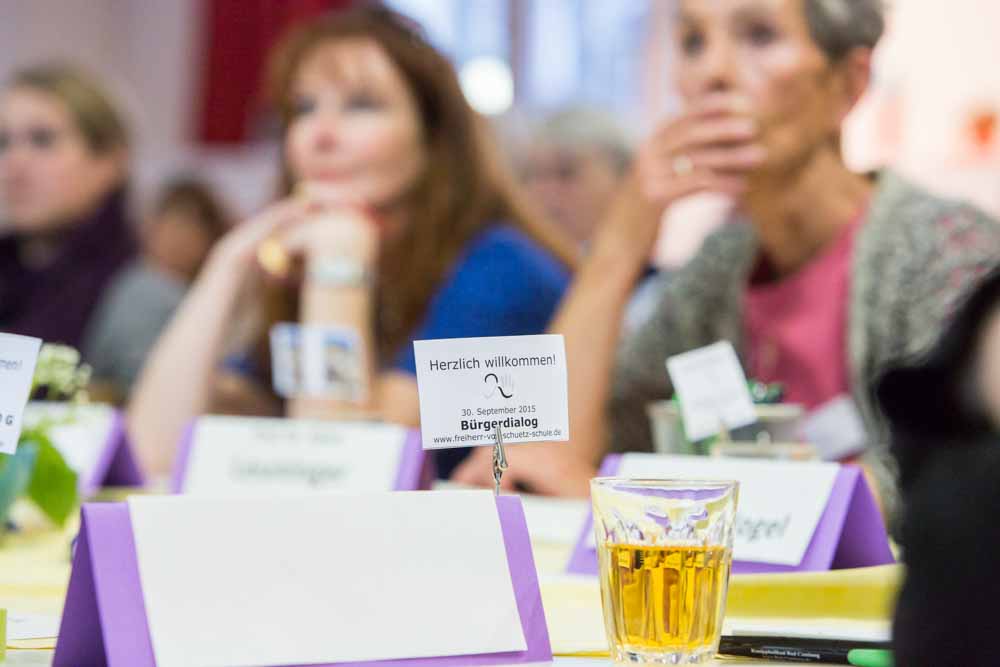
column 35, row 568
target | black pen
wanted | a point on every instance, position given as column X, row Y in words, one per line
column 794, row 649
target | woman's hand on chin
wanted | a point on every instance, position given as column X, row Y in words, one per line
column 315, row 222
column 711, row 147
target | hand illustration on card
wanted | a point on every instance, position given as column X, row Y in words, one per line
column 499, row 385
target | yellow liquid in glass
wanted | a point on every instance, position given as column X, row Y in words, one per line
column 664, row 598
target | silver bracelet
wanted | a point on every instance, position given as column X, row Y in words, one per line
column 338, row 272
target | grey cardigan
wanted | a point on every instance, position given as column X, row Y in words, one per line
column 913, row 258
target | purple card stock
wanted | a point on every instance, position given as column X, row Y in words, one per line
column 415, row 471
column 104, row 618
column 850, row 532
column 116, row 465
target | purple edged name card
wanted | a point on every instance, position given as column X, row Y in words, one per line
column 117, row 465
column 105, row 618
column 223, row 455
column 849, row 532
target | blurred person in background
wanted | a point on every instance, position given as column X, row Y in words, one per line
column 64, row 151
column 397, row 223
column 185, row 222
column 573, row 165
column 822, row 279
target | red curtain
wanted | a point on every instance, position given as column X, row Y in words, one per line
column 238, row 37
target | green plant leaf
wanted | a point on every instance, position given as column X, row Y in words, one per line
column 53, row 483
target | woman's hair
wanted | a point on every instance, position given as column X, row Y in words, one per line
column 466, row 185
column 838, row 26
column 94, row 114
column 193, row 197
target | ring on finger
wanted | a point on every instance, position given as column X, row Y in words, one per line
column 682, row 165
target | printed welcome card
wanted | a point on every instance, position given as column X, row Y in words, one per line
column 471, row 386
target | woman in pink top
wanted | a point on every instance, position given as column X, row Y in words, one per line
column 832, row 277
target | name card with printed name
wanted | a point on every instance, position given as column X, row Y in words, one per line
column 792, row 516
column 470, row 386
column 18, row 356
column 394, row 579
column 223, row 455
column 92, row 439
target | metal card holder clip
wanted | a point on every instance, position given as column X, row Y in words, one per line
column 499, row 461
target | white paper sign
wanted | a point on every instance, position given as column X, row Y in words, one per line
column 324, row 578
column 469, row 386
column 18, row 355
column 255, row 455
column 286, row 364
column 81, row 433
column 780, row 502
column 712, row 389
column 836, row 429
column 24, row 627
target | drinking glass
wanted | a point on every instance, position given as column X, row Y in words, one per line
column 665, row 548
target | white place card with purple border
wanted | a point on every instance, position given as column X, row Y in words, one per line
column 416, row 579
column 792, row 516
column 224, row 455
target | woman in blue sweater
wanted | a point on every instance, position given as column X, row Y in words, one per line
column 398, row 224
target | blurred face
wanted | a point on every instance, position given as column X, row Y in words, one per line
column 178, row 243
column 574, row 187
column 48, row 174
column 763, row 51
column 357, row 125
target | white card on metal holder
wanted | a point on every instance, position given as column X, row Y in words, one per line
column 712, row 389
column 18, row 355
column 470, row 386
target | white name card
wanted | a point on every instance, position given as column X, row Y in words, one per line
column 81, row 433
column 18, row 355
column 780, row 502
column 469, row 386
column 712, row 389
column 258, row 455
column 836, row 429
column 321, row 579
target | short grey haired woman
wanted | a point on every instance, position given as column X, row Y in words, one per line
column 823, row 277
column 573, row 166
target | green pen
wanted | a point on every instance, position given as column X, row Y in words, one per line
column 870, row 657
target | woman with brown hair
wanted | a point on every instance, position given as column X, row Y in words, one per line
column 402, row 226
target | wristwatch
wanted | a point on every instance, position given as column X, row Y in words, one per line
column 338, row 272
